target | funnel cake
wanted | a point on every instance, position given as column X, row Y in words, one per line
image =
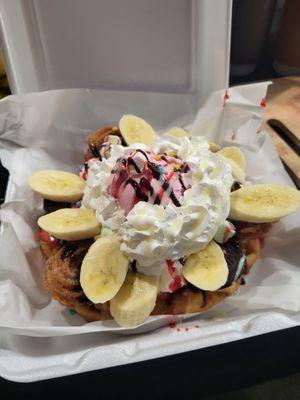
column 164, row 225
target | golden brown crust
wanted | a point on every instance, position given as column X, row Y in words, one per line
column 189, row 300
column 96, row 139
column 251, row 248
column 62, row 281
column 90, row 313
column 47, row 249
column 249, row 230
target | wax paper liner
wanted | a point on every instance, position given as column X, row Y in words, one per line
column 41, row 339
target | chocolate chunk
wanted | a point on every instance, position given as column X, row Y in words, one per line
column 50, row 206
column 233, row 254
column 133, row 266
column 236, row 186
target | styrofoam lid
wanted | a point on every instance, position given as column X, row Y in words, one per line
column 150, row 45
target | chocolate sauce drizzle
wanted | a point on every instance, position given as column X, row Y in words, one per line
column 146, row 184
column 138, row 192
column 181, row 182
column 132, row 162
column 95, row 151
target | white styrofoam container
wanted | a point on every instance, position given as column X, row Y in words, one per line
column 146, row 45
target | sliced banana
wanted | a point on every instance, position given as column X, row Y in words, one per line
column 136, row 130
column 177, row 132
column 135, row 300
column 236, row 171
column 57, row 185
column 207, row 269
column 70, row 224
column 103, row 269
column 263, row 203
column 235, row 154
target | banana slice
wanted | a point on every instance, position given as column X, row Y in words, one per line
column 236, row 171
column 136, row 130
column 207, row 269
column 177, row 132
column 234, row 154
column 57, row 185
column 135, row 300
column 103, row 269
column 263, row 203
column 70, row 224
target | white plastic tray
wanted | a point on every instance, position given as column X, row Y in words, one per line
column 149, row 45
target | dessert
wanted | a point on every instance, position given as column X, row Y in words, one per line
column 153, row 225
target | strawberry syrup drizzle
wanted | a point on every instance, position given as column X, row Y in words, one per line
column 177, row 280
column 171, row 267
column 176, row 283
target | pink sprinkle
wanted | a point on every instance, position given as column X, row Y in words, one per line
column 233, row 137
column 197, row 326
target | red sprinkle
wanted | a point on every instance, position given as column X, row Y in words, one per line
column 177, row 329
column 172, row 325
column 186, row 329
column 263, row 103
column 197, row 326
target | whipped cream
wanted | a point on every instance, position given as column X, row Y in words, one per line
column 153, row 233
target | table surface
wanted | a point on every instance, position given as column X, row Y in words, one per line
column 207, row 371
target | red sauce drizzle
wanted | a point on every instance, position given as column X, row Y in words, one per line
column 176, row 284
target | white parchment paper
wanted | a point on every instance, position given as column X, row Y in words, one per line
column 39, row 338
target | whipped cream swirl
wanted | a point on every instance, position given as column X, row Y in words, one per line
column 153, row 233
